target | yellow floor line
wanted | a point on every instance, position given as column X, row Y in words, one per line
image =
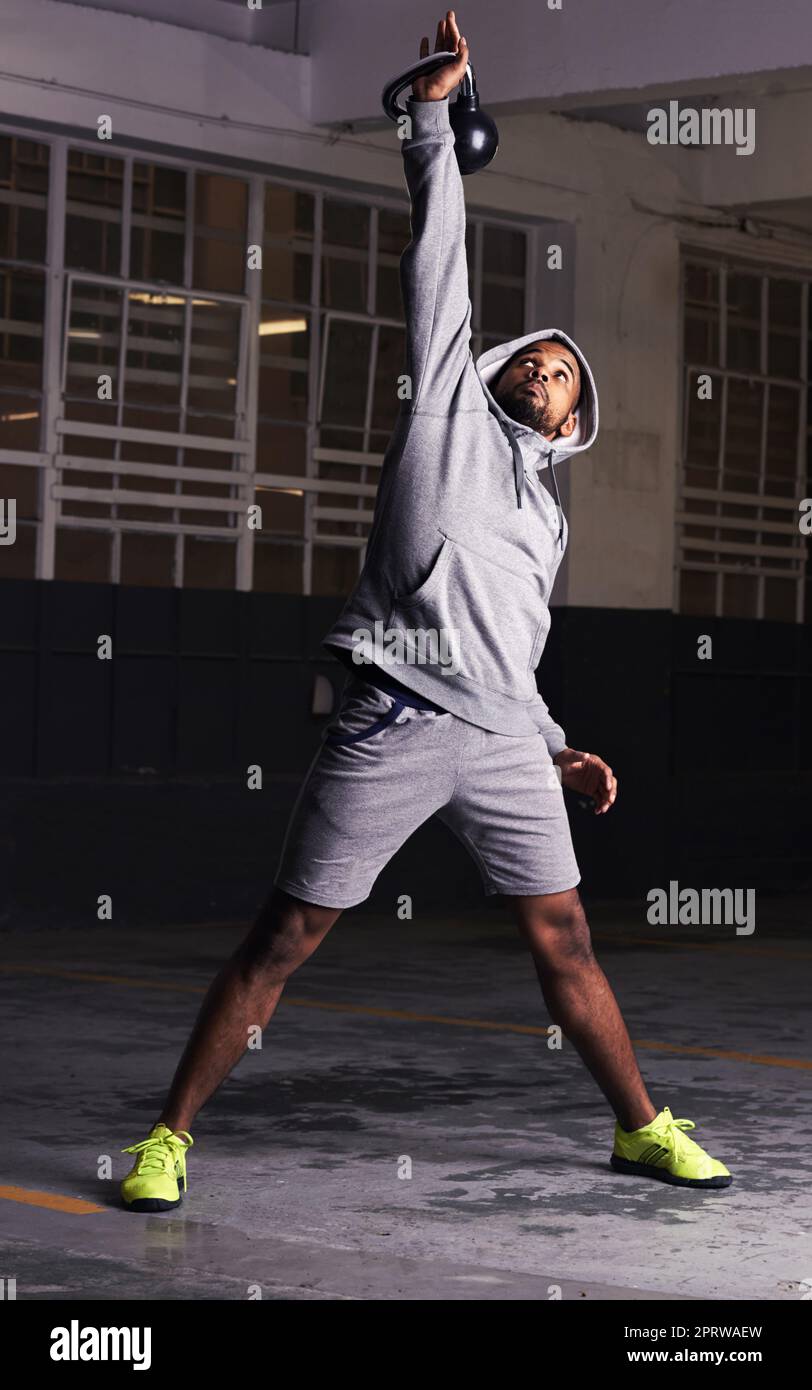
column 407, row 1015
column 134, row 981
column 52, row 1200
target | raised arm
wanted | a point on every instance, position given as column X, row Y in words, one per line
column 433, row 268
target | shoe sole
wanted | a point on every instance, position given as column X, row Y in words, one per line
column 645, row 1170
column 151, row 1204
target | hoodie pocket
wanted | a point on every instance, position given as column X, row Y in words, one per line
column 539, row 640
column 488, row 619
column 432, row 580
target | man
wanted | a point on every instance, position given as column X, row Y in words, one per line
column 441, row 714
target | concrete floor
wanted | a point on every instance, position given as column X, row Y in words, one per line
column 421, row 1039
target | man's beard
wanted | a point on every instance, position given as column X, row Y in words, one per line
column 527, row 408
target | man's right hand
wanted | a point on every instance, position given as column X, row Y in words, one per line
column 440, row 84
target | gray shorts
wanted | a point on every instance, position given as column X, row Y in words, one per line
column 383, row 769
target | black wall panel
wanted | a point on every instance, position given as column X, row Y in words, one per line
column 144, row 712
column 134, row 770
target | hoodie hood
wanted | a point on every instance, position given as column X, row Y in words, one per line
column 490, row 363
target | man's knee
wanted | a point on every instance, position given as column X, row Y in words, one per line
column 555, row 927
column 287, row 931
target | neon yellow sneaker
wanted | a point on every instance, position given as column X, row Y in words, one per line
column 662, row 1150
column 153, row 1183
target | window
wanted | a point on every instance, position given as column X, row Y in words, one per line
column 154, row 453
column 94, row 203
column 159, row 385
column 745, row 459
column 24, row 173
column 158, row 223
column 329, row 368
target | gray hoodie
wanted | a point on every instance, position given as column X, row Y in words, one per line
column 465, row 539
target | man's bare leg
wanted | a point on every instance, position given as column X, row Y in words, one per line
column 245, row 993
column 580, row 999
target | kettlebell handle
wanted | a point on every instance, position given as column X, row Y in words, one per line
column 476, row 138
column 423, row 68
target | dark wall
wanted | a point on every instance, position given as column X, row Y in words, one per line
column 129, row 776
column 201, row 681
column 741, row 753
column 714, row 757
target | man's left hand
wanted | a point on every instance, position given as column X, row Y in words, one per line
column 587, row 773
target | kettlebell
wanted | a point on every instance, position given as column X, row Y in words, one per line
column 476, row 138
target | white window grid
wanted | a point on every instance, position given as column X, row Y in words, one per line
column 736, row 557
column 55, row 464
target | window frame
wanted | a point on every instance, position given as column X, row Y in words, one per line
column 54, row 465
column 724, row 262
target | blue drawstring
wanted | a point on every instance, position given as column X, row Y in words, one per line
column 339, row 740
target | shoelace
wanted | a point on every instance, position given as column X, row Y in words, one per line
column 674, row 1129
column 151, row 1159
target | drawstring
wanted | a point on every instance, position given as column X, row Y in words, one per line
column 518, row 462
column 518, row 478
column 559, row 508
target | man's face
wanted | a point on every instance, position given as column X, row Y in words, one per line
column 540, row 388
